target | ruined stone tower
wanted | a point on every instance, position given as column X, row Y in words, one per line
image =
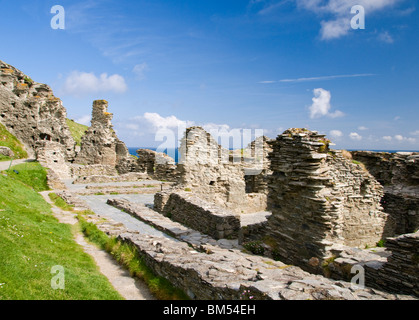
column 319, row 200
column 100, row 145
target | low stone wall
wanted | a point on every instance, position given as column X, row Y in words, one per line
column 198, row 214
column 93, row 170
column 394, row 269
column 401, row 271
column 73, row 199
column 213, row 273
column 127, row 177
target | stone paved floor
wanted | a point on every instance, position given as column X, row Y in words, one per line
column 99, row 206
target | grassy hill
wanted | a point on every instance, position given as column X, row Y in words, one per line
column 77, row 130
column 10, row 141
column 32, row 242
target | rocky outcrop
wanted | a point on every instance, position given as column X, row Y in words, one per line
column 399, row 175
column 319, row 199
column 31, row 112
column 100, row 145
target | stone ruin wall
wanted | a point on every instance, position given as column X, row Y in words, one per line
column 318, row 199
column 257, row 173
column 100, row 145
column 191, row 211
column 399, row 175
column 157, row 165
column 215, row 175
column 52, row 156
column 31, row 112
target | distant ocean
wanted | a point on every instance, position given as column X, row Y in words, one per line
column 174, row 153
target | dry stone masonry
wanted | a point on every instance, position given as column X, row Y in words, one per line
column 210, row 172
column 100, row 145
column 200, row 215
column 319, row 199
column 326, row 206
column 399, row 174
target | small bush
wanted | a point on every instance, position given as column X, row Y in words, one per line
column 254, row 247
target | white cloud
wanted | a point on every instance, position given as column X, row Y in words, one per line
column 84, row 120
column 336, row 133
column 362, row 128
column 81, row 83
column 334, row 29
column 400, row 138
column 322, row 78
column 340, row 11
column 355, row 136
column 415, row 133
column 139, row 70
column 132, row 126
column 213, row 127
column 159, row 122
column 321, row 105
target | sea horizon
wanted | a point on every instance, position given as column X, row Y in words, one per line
column 174, row 152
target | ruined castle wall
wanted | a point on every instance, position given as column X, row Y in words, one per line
column 319, row 199
column 100, row 145
column 200, row 215
column 157, row 165
column 31, row 112
column 401, row 271
column 206, row 169
column 52, row 156
column 399, row 174
column 258, row 170
column 93, row 170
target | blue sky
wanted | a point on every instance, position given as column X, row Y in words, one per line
column 242, row 64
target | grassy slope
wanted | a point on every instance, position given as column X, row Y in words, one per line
column 77, row 130
column 10, row 141
column 32, row 242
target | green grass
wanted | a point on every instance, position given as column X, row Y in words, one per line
column 60, row 203
column 32, row 241
column 32, row 174
column 77, row 130
column 128, row 256
column 10, row 141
